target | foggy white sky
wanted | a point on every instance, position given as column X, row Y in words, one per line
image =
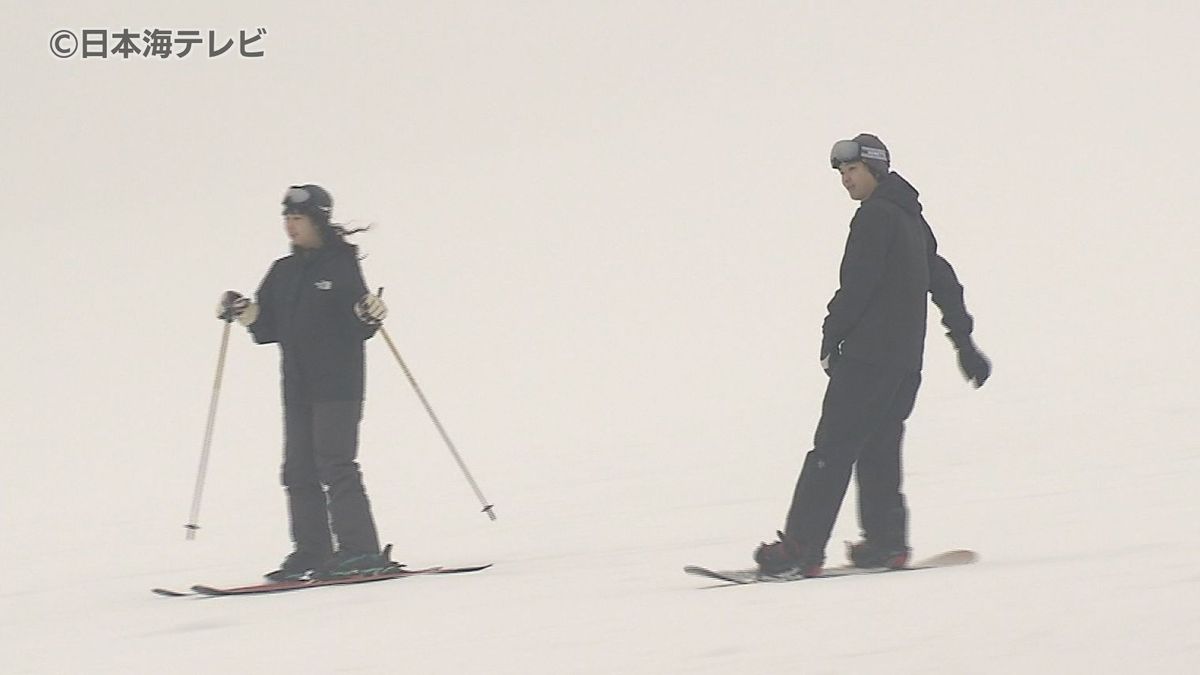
column 600, row 224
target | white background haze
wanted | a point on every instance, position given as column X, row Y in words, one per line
column 608, row 231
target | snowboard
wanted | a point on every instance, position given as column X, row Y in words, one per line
column 752, row 576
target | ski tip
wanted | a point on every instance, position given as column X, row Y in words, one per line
column 468, row 568
column 168, row 593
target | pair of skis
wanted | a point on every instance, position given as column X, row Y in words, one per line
column 397, row 572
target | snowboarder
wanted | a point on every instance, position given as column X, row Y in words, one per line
column 872, row 349
column 315, row 305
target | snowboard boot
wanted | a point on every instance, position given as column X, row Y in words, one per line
column 297, row 566
column 866, row 554
column 354, row 563
column 788, row 558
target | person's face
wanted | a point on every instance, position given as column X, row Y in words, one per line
column 857, row 180
column 301, row 230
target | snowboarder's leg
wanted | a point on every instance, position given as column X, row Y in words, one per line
column 307, row 509
column 857, row 401
column 878, row 475
column 335, row 436
column 883, row 514
column 816, row 500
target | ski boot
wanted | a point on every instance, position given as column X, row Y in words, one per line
column 299, row 565
column 355, row 563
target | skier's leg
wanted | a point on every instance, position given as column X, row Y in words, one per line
column 307, row 510
column 857, row 400
column 883, row 512
column 335, row 435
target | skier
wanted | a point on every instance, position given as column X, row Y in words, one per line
column 316, row 306
column 872, row 349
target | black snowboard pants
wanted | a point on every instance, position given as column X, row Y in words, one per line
column 861, row 429
column 326, row 498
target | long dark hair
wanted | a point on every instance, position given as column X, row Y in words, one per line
column 336, row 233
column 344, row 230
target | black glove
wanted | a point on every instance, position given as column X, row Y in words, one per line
column 831, row 353
column 973, row 364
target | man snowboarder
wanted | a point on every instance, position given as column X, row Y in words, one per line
column 872, row 348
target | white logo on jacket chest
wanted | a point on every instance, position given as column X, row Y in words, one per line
column 323, row 285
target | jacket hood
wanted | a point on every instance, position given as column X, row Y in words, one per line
column 895, row 189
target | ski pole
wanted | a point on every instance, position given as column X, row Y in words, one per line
column 192, row 524
column 489, row 509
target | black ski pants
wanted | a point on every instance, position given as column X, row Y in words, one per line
column 861, row 429
column 327, row 503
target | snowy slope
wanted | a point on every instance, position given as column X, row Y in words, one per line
column 608, row 232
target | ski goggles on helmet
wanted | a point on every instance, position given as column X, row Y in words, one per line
column 844, row 152
column 296, row 196
column 300, row 199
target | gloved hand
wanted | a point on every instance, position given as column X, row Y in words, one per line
column 370, row 309
column 973, row 364
column 831, row 352
column 234, row 306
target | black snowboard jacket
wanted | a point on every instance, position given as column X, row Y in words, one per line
column 878, row 313
column 306, row 305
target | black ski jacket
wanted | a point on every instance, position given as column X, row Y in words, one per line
column 891, row 261
column 306, row 305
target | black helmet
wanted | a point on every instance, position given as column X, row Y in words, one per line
column 865, row 148
column 311, row 200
